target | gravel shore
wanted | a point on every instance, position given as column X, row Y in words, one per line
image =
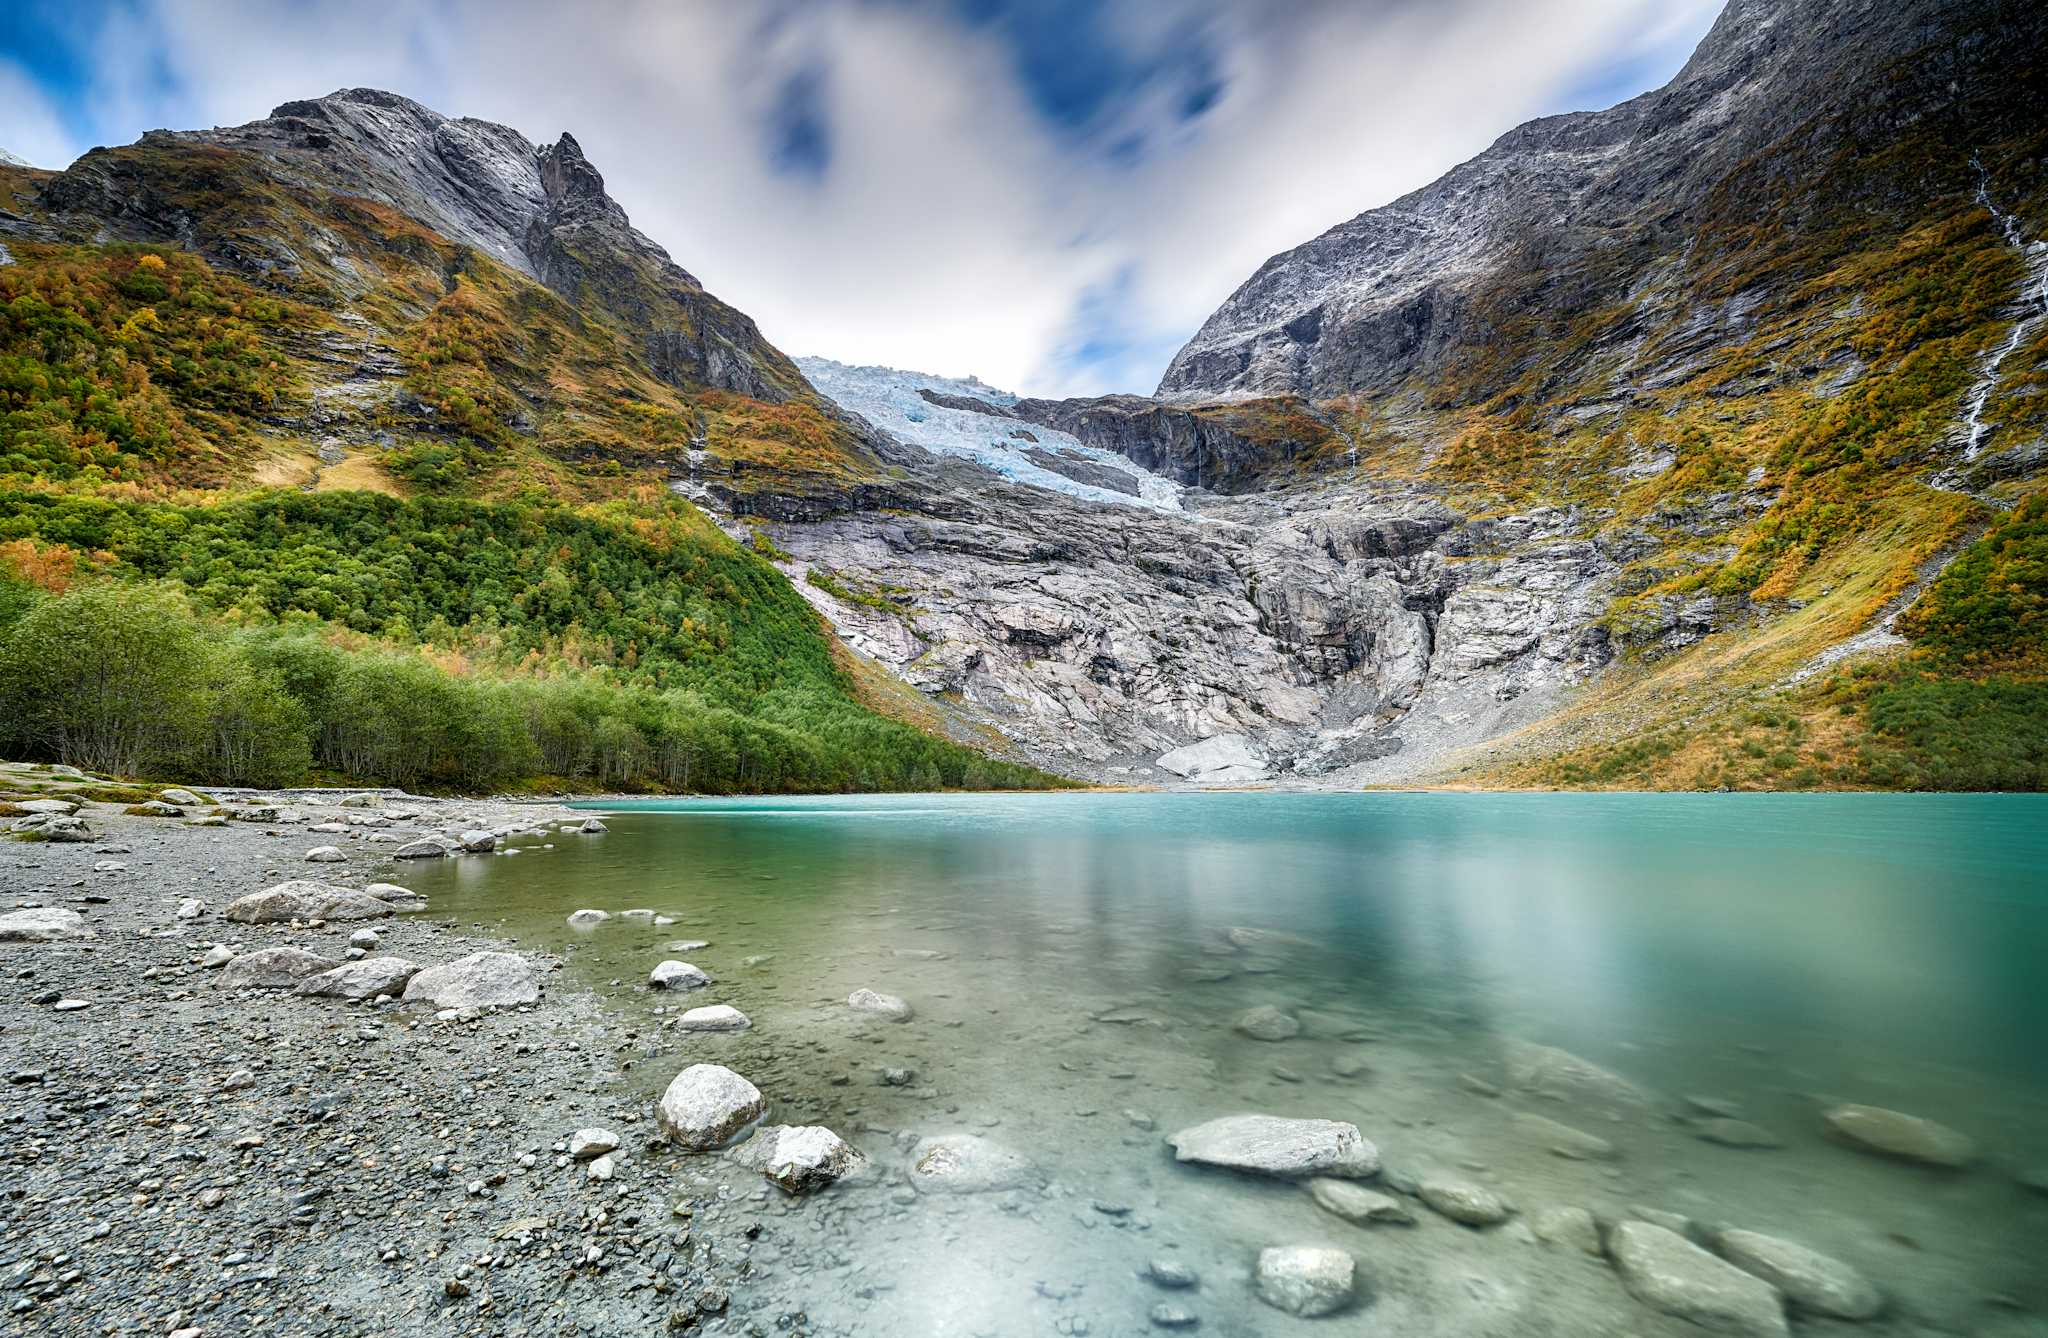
column 191, row 1159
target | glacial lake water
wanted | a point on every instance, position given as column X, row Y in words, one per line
column 1077, row 964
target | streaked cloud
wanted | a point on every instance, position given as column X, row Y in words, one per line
column 1051, row 194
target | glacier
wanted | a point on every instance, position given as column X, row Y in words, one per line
column 888, row 398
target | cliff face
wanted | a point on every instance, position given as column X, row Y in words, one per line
column 1564, row 215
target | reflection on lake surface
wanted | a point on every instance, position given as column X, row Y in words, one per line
column 1078, row 964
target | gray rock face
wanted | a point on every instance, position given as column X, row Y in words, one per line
column 1227, row 759
column 1391, row 296
column 799, row 1159
column 300, row 899
column 1306, row 1280
column 706, row 1106
column 363, row 979
column 42, row 924
column 272, row 969
column 1907, row 1137
column 885, row 1006
column 480, row 980
column 1275, row 1145
column 1810, row 1280
column 968, row 1164
column 1668, row 1273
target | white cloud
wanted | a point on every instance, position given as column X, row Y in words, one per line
column 30, row 126
column 955, row 231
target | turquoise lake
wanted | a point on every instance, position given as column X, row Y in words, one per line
column 1078, row 964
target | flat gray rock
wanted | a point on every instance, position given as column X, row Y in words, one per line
column 427, row 847
column 706, row 1106
column 1562, row 1076
column 480, row 980
column 1306, row 1280
column 303, row 899
column 1810, row 1280
column 42, row 924
column 272, row 969
column 1563, row 1140
column 1670, row 1274
column 713, row 1017
column 1464, row 1202
column 1355, row 1203
column 1275, row 1145
column 1267, row 1023
column 363, row 979
column 1907, row 1137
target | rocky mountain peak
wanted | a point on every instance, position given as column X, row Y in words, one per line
column 566, row 175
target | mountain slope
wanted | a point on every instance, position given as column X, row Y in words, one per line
column 358, row 296
column 1703, row 391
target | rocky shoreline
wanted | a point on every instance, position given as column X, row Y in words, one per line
column 192, row 1150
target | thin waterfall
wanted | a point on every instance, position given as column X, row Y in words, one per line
column 2033, row 304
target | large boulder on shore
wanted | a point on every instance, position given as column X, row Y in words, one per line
column 1667, row 1272
column 706, row 1106
column 42, row 924
column 1306, row 1280
column 272, row 969
column 480, row 980
column 1907, row 1137
column 303, row 899
column 364, row 978
column 1274, row 1145
column 427, row 847
column 1811, row 1281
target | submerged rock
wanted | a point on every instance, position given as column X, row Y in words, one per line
column 714, row 1017
column 1464, row 1202
column 673, row 975
column 272, row 969
column 364, row 979
column 1562, row 1076
column 1274, row 1145
column 1810, row 1280
column 1570, row 1226
column 1355, row 1203
column 1907, row 1137
column 798, row 1159
column 587, row 918
column 706, row 1106
column 880, row 1005
column 1668, row 1273
column 1267, row 1023
column 1563, row 1140
column 42, row 924
column 1733, row 1133
column 480, row 980
column 968, row 1164
column 1306, row 1280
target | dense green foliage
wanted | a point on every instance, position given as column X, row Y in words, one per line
column 1988, row 610
column 114, row 359
column 1948, row 734
column 636, row 649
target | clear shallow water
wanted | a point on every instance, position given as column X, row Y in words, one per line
column 1076, row 963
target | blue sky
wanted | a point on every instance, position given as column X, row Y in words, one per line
column 1050, row 194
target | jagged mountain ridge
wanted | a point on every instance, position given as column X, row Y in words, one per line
column 1593, row 201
